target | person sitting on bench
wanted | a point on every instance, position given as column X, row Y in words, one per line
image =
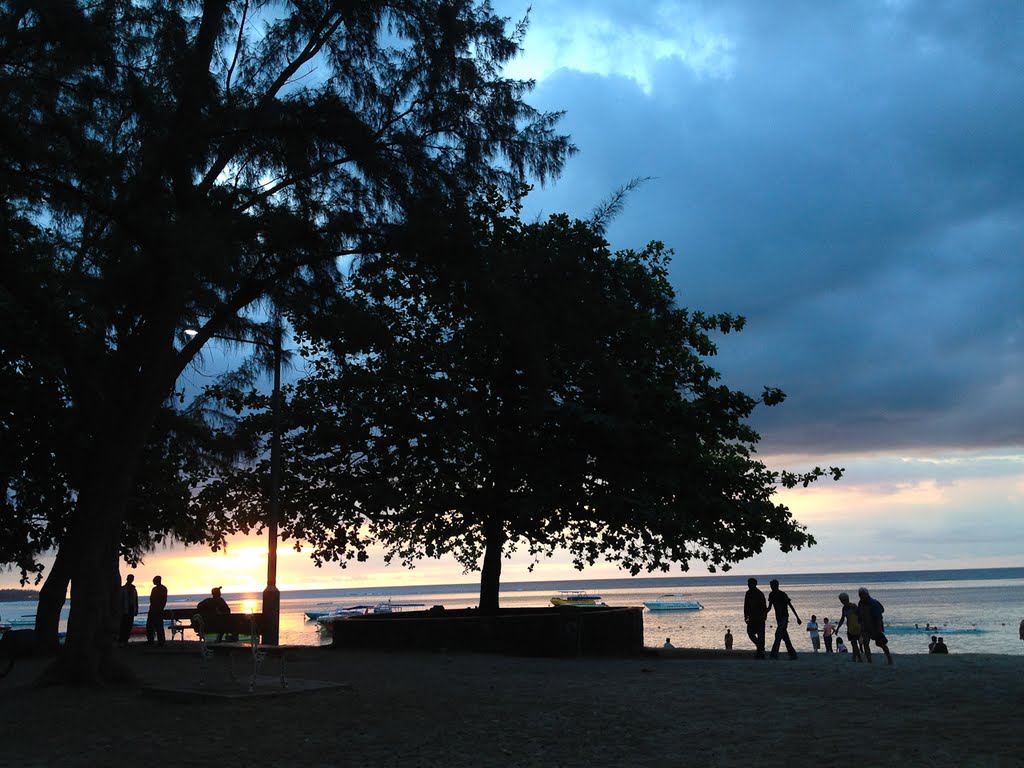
column 215, row 605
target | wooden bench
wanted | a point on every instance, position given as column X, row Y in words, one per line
column 236, row 625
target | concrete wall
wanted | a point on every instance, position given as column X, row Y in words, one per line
column 561, row 631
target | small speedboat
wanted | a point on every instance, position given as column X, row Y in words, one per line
column 673, row 603
column 576, row 597
column 322, row 609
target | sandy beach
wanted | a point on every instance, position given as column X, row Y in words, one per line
column 707, row 708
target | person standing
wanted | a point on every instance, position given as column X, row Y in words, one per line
column 849, row 615
column 129, row 609
column 728, row 639
column 155, row 617
column 812, row 627
column 826, row 632
column 755, row 611
column 780, row 601
column 872, row 628
column 940, row 647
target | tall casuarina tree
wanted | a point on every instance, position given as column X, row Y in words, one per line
column 182, row 161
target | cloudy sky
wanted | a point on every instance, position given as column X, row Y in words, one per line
column 848, row 176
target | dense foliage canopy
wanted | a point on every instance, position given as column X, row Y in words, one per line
column 545, row 392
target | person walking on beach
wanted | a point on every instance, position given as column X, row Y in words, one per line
column 826, row 632
column 812, row 627
column 1022, row 629
column 872, row 628
column 155, row 617
column 755, row 611
column 728, row 639
column 129, row 608
column 849, row 615
column 780, row 601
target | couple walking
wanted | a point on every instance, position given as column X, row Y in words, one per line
column 755, row 612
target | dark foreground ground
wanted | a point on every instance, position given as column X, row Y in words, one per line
column 437, row 709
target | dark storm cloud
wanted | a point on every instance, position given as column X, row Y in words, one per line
column 852, row 180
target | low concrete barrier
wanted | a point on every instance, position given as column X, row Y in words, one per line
column 557, row 631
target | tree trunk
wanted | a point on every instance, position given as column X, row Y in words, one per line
column 490, row 572
column 52, row 597
column 91, row 551
column 87, row 656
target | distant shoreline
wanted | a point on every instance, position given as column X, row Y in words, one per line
column 680, row 581
column 18, row 596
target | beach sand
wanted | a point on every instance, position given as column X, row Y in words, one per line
column 409, row 709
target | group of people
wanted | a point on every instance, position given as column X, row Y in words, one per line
column 129, row 609
column 937, row 645
column 155, row 630
column 864, row 623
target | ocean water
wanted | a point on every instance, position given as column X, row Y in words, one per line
column 977, row 610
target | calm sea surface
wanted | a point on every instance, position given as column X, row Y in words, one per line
column 977, row 611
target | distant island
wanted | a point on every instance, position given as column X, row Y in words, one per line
column 18, row 595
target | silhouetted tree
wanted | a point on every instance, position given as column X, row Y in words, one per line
column 545, row 392
column 183, row 161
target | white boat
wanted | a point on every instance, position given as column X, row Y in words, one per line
column 322, row 609
column 673, row 603
column 576, row 597
column 345, row 612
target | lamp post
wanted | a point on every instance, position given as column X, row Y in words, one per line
column 271, row 595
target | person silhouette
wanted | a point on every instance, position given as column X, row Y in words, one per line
column 155, row 617
column 780, row 601
column 668, row 643
column 849, row 615
column 129, row 609
column 755, row 611
column 940, row 647
column 872, row 626
column 728, row 639
column 812, row 627
column 214, row 605
column 827, row 630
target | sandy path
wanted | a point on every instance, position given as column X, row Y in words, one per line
column 438, row 709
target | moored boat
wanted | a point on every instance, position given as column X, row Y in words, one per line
column 389, row 607
column 673, row 603
column 326, row 620
column 576, row 597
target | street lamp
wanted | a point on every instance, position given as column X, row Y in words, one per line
column 271, row 595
